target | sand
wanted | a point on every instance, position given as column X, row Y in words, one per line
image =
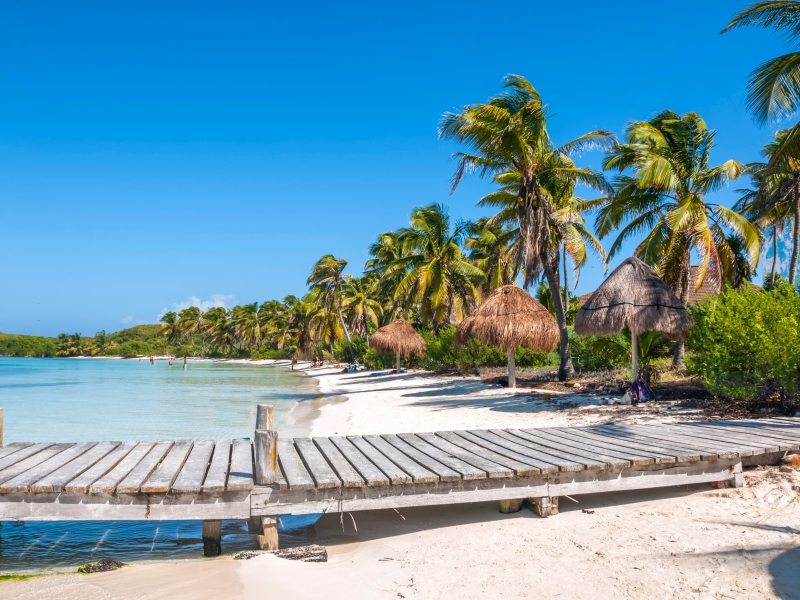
column 689, row 542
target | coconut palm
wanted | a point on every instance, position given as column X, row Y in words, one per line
column 360, row 305
column 190, row 321
column 438, row 277
column 509, row 134
column 327, row 277
column 385, row 251
column 101, row 342
column 246, row 326
column 661, row 191
column 217, row 327
column 494, row 249
column 171, row 328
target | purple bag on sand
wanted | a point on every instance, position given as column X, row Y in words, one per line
column 641, row 391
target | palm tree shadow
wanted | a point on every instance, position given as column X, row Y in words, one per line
column 785, row 572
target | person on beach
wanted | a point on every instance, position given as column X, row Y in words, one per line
column 140, row 359
column 152, row 361
column 294, row 362
column 170, row 361
column 185, row 362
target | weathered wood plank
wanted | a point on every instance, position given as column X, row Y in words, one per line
column 55, row 481
column 32, row 461
column 610, row 458
column 606, row 448
column 505, row 448
column 467, row 471
column 108, row 482
column 162, row 478
column 293, row 468
column 677, row 434
column 493, row 470
column 217, row 474
column 419, row 473
column 241, row 469
column 133, row 481
column 726, row 437
column 755, row 437
column 520, row 469
column 395, row 474
column 23, row 481
column 664, row 454
column 21, row 455
column 190, row 478
column 347, row 474
column 81, row 483
column 638, row 433
column 13, row 447
column 546, row 446
column 324, row 476
column 444, row 473
column 774, row 430
column 372, row 475
column 500, row 439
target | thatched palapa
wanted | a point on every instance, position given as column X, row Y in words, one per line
column 510, row 318
column 399, row 338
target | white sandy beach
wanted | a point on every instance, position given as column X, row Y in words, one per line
column 693, row 542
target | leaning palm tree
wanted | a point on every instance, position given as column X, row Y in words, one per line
column 385, row 251
column 191, row 322
column 438, row 277
column 217, row 327
column 327, row 277
column 171, row 328
column 509, row 134
column 494, row 249
column 246, row 325
column 360, row 305
column 661, row 191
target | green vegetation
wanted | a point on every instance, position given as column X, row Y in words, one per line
column 26, row 345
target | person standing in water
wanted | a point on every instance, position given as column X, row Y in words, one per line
column 170, row 361
column 152, row 360
column 185, row 362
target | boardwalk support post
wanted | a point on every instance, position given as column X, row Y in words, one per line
column 212, row 538
column 266, row 449
column 264, row 417
column 510, row 506
column 544, row 507
column 269, row 538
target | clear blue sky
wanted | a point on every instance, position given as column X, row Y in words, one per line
column 154, row 152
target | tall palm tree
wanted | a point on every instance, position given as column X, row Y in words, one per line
column 327, row 277
column 386, row 251
column 191, row 322
column 246, row 325
column 509, row 135
column 217, row 327
column 438, row 277
column 661, row 191
column 774, row 203
column 171, row 328
column 494, row 249
column 360, row 305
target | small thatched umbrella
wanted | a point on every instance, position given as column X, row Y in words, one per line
column 510, row 318
column 399, row 338
column 633, row 296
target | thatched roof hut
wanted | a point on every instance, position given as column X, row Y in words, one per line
column 510, row 318
column 399, row 338
column 633, row 297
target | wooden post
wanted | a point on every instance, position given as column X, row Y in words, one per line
column 512, row 370
column 269, row 539
column 635, row 354
column 264, row 417
column 266, row 450
column 544, row 507
column 212, row 538
column 510, row 506
column 398, row 361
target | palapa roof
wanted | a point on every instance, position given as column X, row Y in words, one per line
column 397, row 336
column 510, row 318
column 633, row 297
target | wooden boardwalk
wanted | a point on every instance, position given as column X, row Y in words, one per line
column 224, row 479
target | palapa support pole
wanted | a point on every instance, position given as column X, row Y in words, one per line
column 635, row 354
column 512, row 369
column 212, row 538
column 264, row 417
column 398, row 361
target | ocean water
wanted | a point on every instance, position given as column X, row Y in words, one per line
column 74, row 400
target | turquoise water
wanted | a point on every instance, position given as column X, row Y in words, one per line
column 73, row 400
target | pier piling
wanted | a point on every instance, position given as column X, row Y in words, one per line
column 212, row 538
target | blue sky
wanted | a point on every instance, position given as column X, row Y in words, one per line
column 155, row 152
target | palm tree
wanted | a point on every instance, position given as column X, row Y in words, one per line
column 171, row 328
column 101, row 341
column 437, row 275
column 386, row 251
column 360, row 305
column 494, row 249
column 661, row 190
column 327, row 277
column 190, row 321
column 217, row 326
column 509, row 135
column 774, row 203
column 246, row 326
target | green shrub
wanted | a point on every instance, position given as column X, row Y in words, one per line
column 341, row 350
column 373, row 359
column 585, row 359
column 747, row 343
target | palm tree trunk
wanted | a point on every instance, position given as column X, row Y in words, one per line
column 774, row 254
column 796, row 241
column 565, row 369
column 680, row 345
column 566, row 282
column 346, row 333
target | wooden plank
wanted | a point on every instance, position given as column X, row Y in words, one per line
column 240, row 476
column 566, row 461
column 666, row 455
column 642, row 432
column 217, row 475
column 395, row 474
column 637, row 458
column 493, row 470
column 467, row 471
column 23, row 481
column 730, row 439
column 445, row 474
column 611, row 458
column 293, row 468
column 347, row 474
column 785, row 434
column 418, row 473
column 372, row 475
column 545, row 446
column 32, row 461
column 55, row 481
column 81, row 483
column 667, row 445
column 108, row 482
column 14, row 447
column 162, row 478
column 191, row 476
column 133, row 481
column 20, row 455
column 321, row 471
column 755, row 436
column 515, row 451
column 468, row 442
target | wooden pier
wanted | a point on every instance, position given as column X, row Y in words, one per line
column 259, row 480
